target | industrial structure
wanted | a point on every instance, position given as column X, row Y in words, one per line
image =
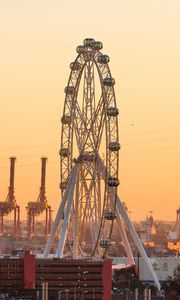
column 40, row 205
column 10, row 205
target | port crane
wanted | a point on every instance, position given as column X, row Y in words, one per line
column 35, row 208
column 10, row 205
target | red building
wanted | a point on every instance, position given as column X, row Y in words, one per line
column 62, row 278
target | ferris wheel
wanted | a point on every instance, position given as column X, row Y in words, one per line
column 89, row 163
column 89, row 125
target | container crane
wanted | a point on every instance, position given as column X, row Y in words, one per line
column 40, row 205
column 10, row 205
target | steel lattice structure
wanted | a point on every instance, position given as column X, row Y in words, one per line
column 35, row 208
column 10, row 205
column 90, row 203
column 86, row 124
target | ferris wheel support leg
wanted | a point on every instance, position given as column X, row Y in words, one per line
column 122, row 212
column 58, row 216
column 75, row 227
column 137, row 241
column 62, row 238
column 125, row 240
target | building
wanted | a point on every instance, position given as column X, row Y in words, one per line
column 73, row 279
column 163, row 267
column 178, row 224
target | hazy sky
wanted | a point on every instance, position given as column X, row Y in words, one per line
column 37, row 42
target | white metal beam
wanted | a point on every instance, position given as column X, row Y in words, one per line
column 137, row 241
column 75, row 227
column 64, row 228
column 59, row 215
column 125, row 239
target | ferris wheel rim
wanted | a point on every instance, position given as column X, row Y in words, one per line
column 93, row 55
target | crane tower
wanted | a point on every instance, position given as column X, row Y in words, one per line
column 40, row 205
column 10, row 205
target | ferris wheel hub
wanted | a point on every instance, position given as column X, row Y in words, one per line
column 88, row 156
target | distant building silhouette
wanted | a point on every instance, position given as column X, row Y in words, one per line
column 178, row 224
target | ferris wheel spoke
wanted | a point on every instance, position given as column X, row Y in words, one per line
column 81, row 128
column 92, row 133
column 78, row 120
column 88, row 92
column 90, row 136
column 90, row 205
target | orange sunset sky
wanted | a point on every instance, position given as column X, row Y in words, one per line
column 142, row 37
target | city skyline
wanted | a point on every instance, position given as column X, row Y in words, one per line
column 38, row 44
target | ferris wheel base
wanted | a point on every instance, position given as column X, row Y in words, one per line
column 122, row 214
